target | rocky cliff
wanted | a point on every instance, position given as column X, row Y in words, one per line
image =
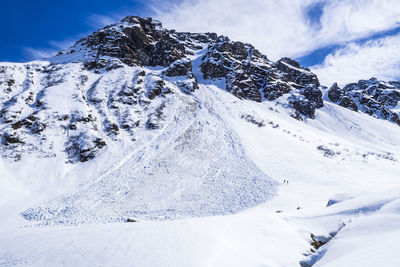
column 375, row 98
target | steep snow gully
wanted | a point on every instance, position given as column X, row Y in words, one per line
column 220, row 156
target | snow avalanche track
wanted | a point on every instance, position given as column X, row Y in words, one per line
column 195, row 166
column 254, row 147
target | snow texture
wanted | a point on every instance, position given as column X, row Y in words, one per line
column 212, row 176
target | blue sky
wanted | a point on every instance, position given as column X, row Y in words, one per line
column 340, row 40
column 48, row 24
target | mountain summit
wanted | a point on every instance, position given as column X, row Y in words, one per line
column 105, row 101
column 248, row 74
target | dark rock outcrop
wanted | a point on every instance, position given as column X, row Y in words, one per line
column 293, row 72
column 374, row 97
column 135, row 41
column 251, row 75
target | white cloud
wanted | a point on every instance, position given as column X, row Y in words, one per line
column 52, row 49
column 38, row 53
column 99, row 21
column 63, row 44
column 349, row 20
column 275, row 27
column 279, row 27
column 379, row 58
column 95, row 21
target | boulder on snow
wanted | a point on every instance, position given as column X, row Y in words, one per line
column 338, row 198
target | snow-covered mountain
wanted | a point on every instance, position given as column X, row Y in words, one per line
column 137, row 121
column 134, row 83
column 376, row 98
column 117, row 81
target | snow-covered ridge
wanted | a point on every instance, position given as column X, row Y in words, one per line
column 113, row 84
column 376, row 98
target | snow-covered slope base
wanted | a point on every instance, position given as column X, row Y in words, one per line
column 368, row 236
column 346, row 159
column 195, row 166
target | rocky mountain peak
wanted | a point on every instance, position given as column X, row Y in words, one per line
column 296, row 73
column 251, row 75
column 136, row 41
column 123, row 79
column 376, row 98
column 248, row 73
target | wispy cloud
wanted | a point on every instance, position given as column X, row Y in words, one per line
column 94, row 21
column 376, row 58
column 296, row 28
column 53, row 47
column 275, row 27
column 91, row 23
column 344, row 21
column 98, row 21
column 38, row 53
column 62, row 44
column 282, row 27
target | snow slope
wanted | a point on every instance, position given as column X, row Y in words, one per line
column 171, row 176
column 253, row 238
column 202, row 171
column 272, row 234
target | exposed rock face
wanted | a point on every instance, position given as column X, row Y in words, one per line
column 376, row 98
column 135, row 41
column 118, row 81
column 251, row 75
column 236, row 62
column 293, row 72
column 248, row 73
